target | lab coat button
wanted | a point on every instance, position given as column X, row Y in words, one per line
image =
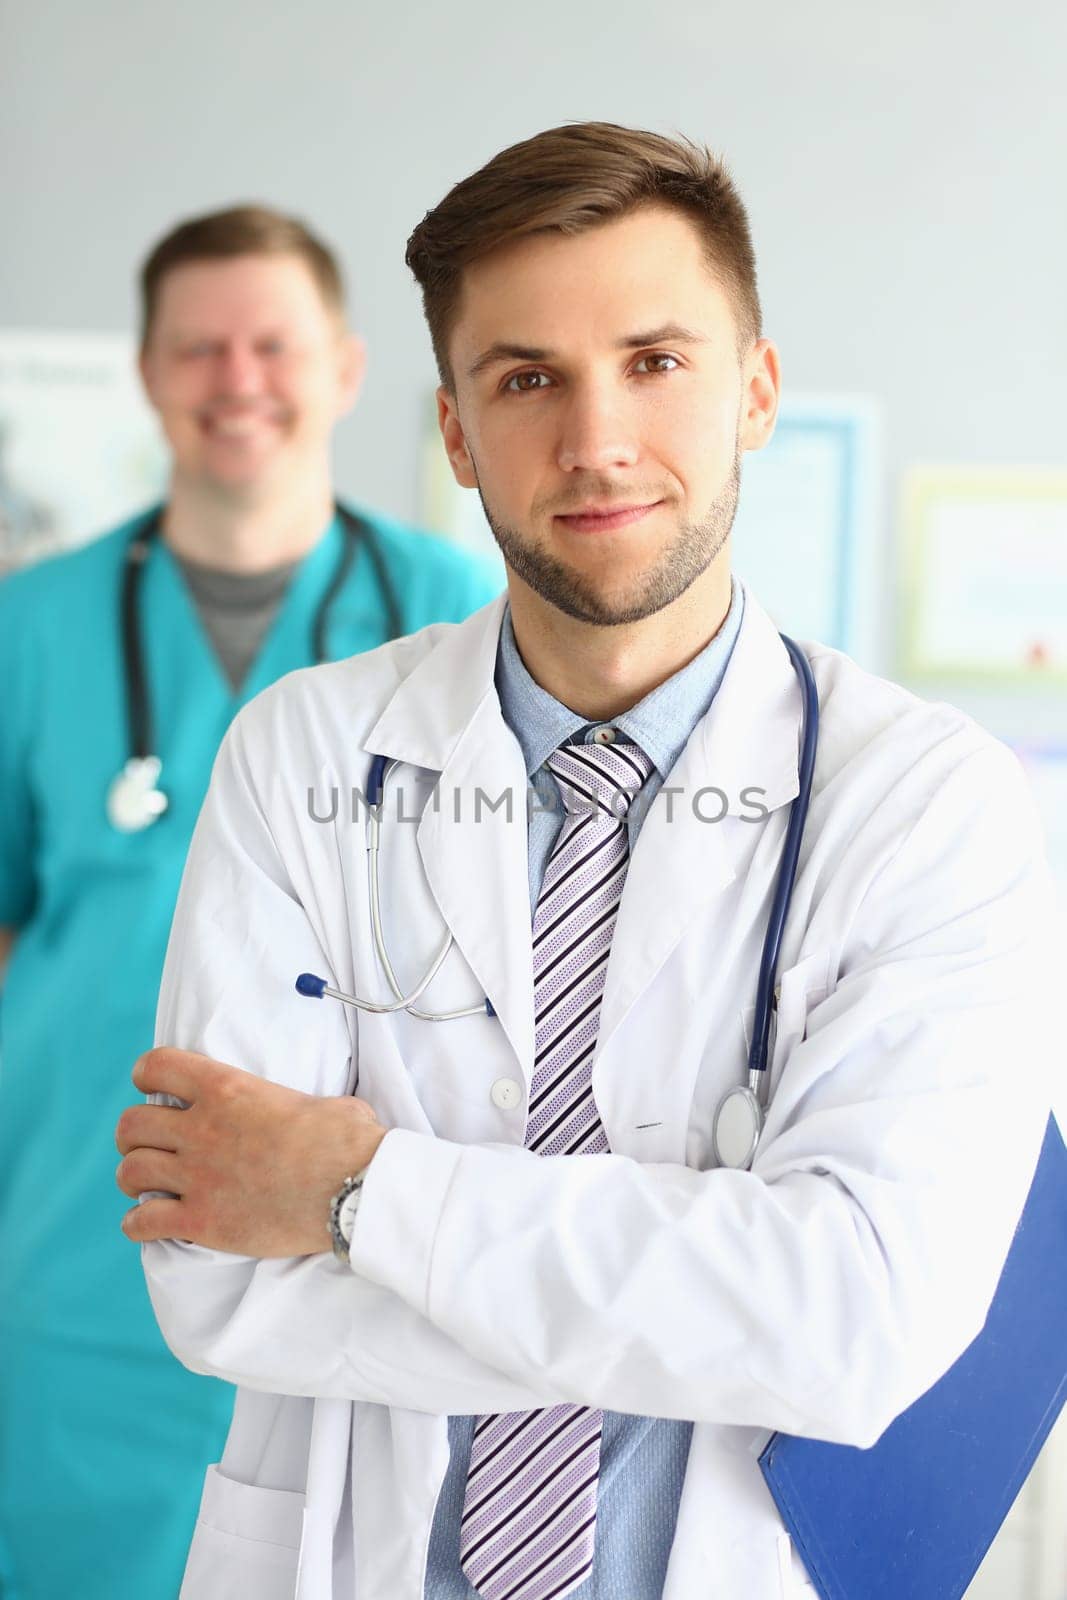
column 506, row 1093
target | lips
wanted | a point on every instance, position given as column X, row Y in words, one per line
column 606, row 519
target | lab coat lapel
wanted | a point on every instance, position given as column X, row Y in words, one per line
column 743, row 752
column 475, row 852
column 445, row 718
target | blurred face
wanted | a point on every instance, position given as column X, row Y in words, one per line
column 249, row 370
column 601, row 408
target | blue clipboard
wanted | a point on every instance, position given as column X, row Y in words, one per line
column 912, row 1517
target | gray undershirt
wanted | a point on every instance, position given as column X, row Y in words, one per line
column 236, row 610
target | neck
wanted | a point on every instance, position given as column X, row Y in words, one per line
column 244, row 532
column 600, row 672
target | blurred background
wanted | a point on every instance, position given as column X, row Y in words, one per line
column 904, row 176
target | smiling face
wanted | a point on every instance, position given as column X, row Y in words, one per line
column 249, row 370
column 601, row 407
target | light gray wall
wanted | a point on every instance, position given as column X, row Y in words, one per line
column 904, row 172
column 904, row 167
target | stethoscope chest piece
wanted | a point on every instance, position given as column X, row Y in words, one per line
column 134, row 800
column 737, row 1127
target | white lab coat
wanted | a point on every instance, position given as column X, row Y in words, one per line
column 820, row 1293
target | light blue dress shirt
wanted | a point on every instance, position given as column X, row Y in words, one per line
column 642, row 1459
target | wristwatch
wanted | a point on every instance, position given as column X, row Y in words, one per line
column 343, row 1214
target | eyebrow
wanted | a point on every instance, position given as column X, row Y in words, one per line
column 669, row 333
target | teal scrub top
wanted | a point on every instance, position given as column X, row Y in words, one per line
column 92, row 909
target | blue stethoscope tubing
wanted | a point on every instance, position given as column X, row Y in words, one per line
column 746, row 1103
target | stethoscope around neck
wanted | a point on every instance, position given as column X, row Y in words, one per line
column 134, row 797
column 740, row 1113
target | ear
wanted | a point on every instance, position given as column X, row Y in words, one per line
column 351, row 369
column 762, row 382
column 455, row 443
column 146, row 370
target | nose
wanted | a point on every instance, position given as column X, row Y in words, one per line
column 597, row 431
column 239, row 371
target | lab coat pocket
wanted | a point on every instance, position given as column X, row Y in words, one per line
column 796, row 992
column 246, row 1542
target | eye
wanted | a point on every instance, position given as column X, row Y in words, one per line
column 271, row 347
column 658, row 355
column 523, row 387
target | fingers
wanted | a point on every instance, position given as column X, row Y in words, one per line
column 156, row 1219
column 182, row 1073
column 153, row 1126
column 149, row 1169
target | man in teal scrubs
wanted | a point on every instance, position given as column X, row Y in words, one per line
column 248, row 361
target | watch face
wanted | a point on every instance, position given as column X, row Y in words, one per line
column 343, row 1216
column 346, row 1215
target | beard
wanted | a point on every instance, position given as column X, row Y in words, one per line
column 689, row 553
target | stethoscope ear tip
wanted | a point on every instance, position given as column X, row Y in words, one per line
column 308, row 984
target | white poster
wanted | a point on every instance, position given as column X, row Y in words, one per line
column 80, row 448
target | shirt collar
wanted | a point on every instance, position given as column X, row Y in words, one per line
column 660, row 723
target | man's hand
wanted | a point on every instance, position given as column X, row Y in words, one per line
column 253, row 1165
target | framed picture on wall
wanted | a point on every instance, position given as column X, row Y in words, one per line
column 806, row 538
column 984, row 575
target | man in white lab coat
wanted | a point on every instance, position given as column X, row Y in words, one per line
column 349, row 1215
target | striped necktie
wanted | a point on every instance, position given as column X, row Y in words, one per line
column 529, row 1512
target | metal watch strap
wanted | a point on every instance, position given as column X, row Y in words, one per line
column 349, row 1187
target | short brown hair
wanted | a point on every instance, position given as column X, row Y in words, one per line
column 569, row 179
column 248, row 230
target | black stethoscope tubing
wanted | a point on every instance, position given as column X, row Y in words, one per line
column 359, row 535
column 787, row 870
